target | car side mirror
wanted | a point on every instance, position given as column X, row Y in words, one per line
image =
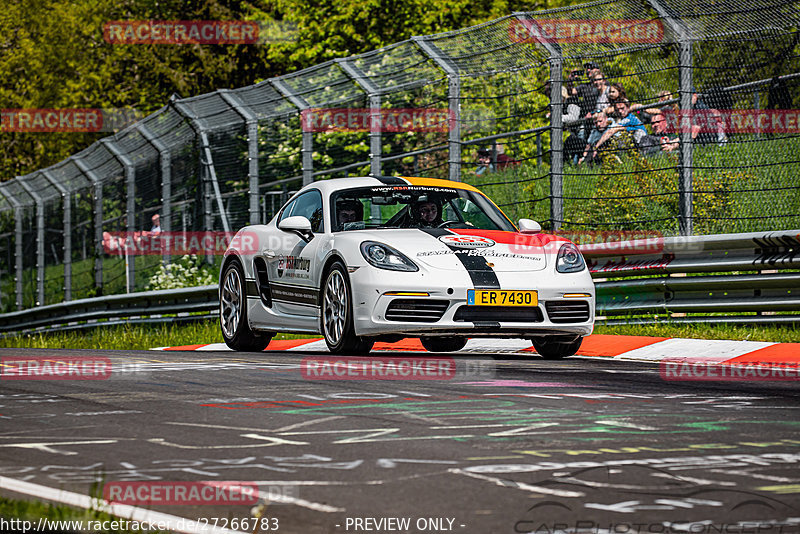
column 299, row 225
column 529, row 226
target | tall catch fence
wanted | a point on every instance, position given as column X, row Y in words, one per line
column 493, row 105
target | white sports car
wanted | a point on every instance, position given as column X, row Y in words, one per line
column 361, row 260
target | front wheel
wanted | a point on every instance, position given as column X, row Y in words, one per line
column 233, row 313
column 443, row 344
column 555, row 348
column 337, row 314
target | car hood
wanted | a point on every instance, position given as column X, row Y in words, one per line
column 447, row 249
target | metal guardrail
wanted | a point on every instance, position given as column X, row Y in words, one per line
column 638, row 281
column 163, row 306
column 703, row 276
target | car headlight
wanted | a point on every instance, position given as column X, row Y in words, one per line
column 569, row 259
column 385, row 257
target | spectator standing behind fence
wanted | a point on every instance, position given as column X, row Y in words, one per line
column 501, row 160
column 712, row 129
column 570, row 116
column 156, row 219
column 603, row 98
column 628, row 121
column 615, row 93
column 587, row 93
column 665, row 109
column 668, row 142
column 590, row 154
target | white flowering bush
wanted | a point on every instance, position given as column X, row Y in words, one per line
column 188, row 271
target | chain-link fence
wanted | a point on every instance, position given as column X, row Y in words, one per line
column 705, row 138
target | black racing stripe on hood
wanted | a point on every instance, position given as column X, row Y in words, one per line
column 482, row 275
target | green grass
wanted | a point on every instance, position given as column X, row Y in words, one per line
column 126, row 337
column 747, row 185
column 83, row 279
column 34, row 510
column 143, row 337
column 780, row 334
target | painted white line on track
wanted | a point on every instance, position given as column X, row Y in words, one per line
column 215, row 346
column 285, row 499
column 125, row 511
column 711, row 350
column 316, row 345
column 506, row 483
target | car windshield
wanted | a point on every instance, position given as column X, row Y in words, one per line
column 414, row 207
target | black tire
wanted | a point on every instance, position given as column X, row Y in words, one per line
column 443, row 344
column 233, row 312
column 336, row 314
column 556, row 348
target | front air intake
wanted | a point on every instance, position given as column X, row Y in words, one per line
column 416, row 310
column 567, row 311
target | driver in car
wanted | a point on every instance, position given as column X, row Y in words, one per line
column 426, row 214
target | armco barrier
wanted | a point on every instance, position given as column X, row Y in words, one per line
column 164, row 306
column 730, row 274
column 637, row 281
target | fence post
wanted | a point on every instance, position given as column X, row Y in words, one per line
column 556, row 144
column 98, row 222
column 165, row 160
column 555, row 58
column 18, row 237
column 375, row 119
column 17, row 244
column 757, row 107
column 5, row 196
column 39, row 239
column 308, row 140
column 538, row 150
column 130, row 194
column 187, row 114
column 67, row 248
column 444, row 62
column 686, row 186
column 251, row 122
column 686, row 90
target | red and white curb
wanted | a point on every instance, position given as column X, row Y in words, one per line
column 636, row 348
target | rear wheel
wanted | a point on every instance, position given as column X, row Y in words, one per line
column 337, row 314
column 233, row 313
column 443, row 344
column 553, row 348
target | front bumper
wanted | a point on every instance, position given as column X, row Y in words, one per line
column 448, row 291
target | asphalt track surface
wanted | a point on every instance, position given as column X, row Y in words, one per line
column 517, row 444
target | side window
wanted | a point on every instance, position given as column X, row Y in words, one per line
column 449, row 212
column 308, row 205
column 474, row 215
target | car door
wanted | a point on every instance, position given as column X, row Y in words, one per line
column 293, row 262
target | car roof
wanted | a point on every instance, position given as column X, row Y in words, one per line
column 336, row 184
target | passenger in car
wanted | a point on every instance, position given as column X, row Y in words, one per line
column 349, row 212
